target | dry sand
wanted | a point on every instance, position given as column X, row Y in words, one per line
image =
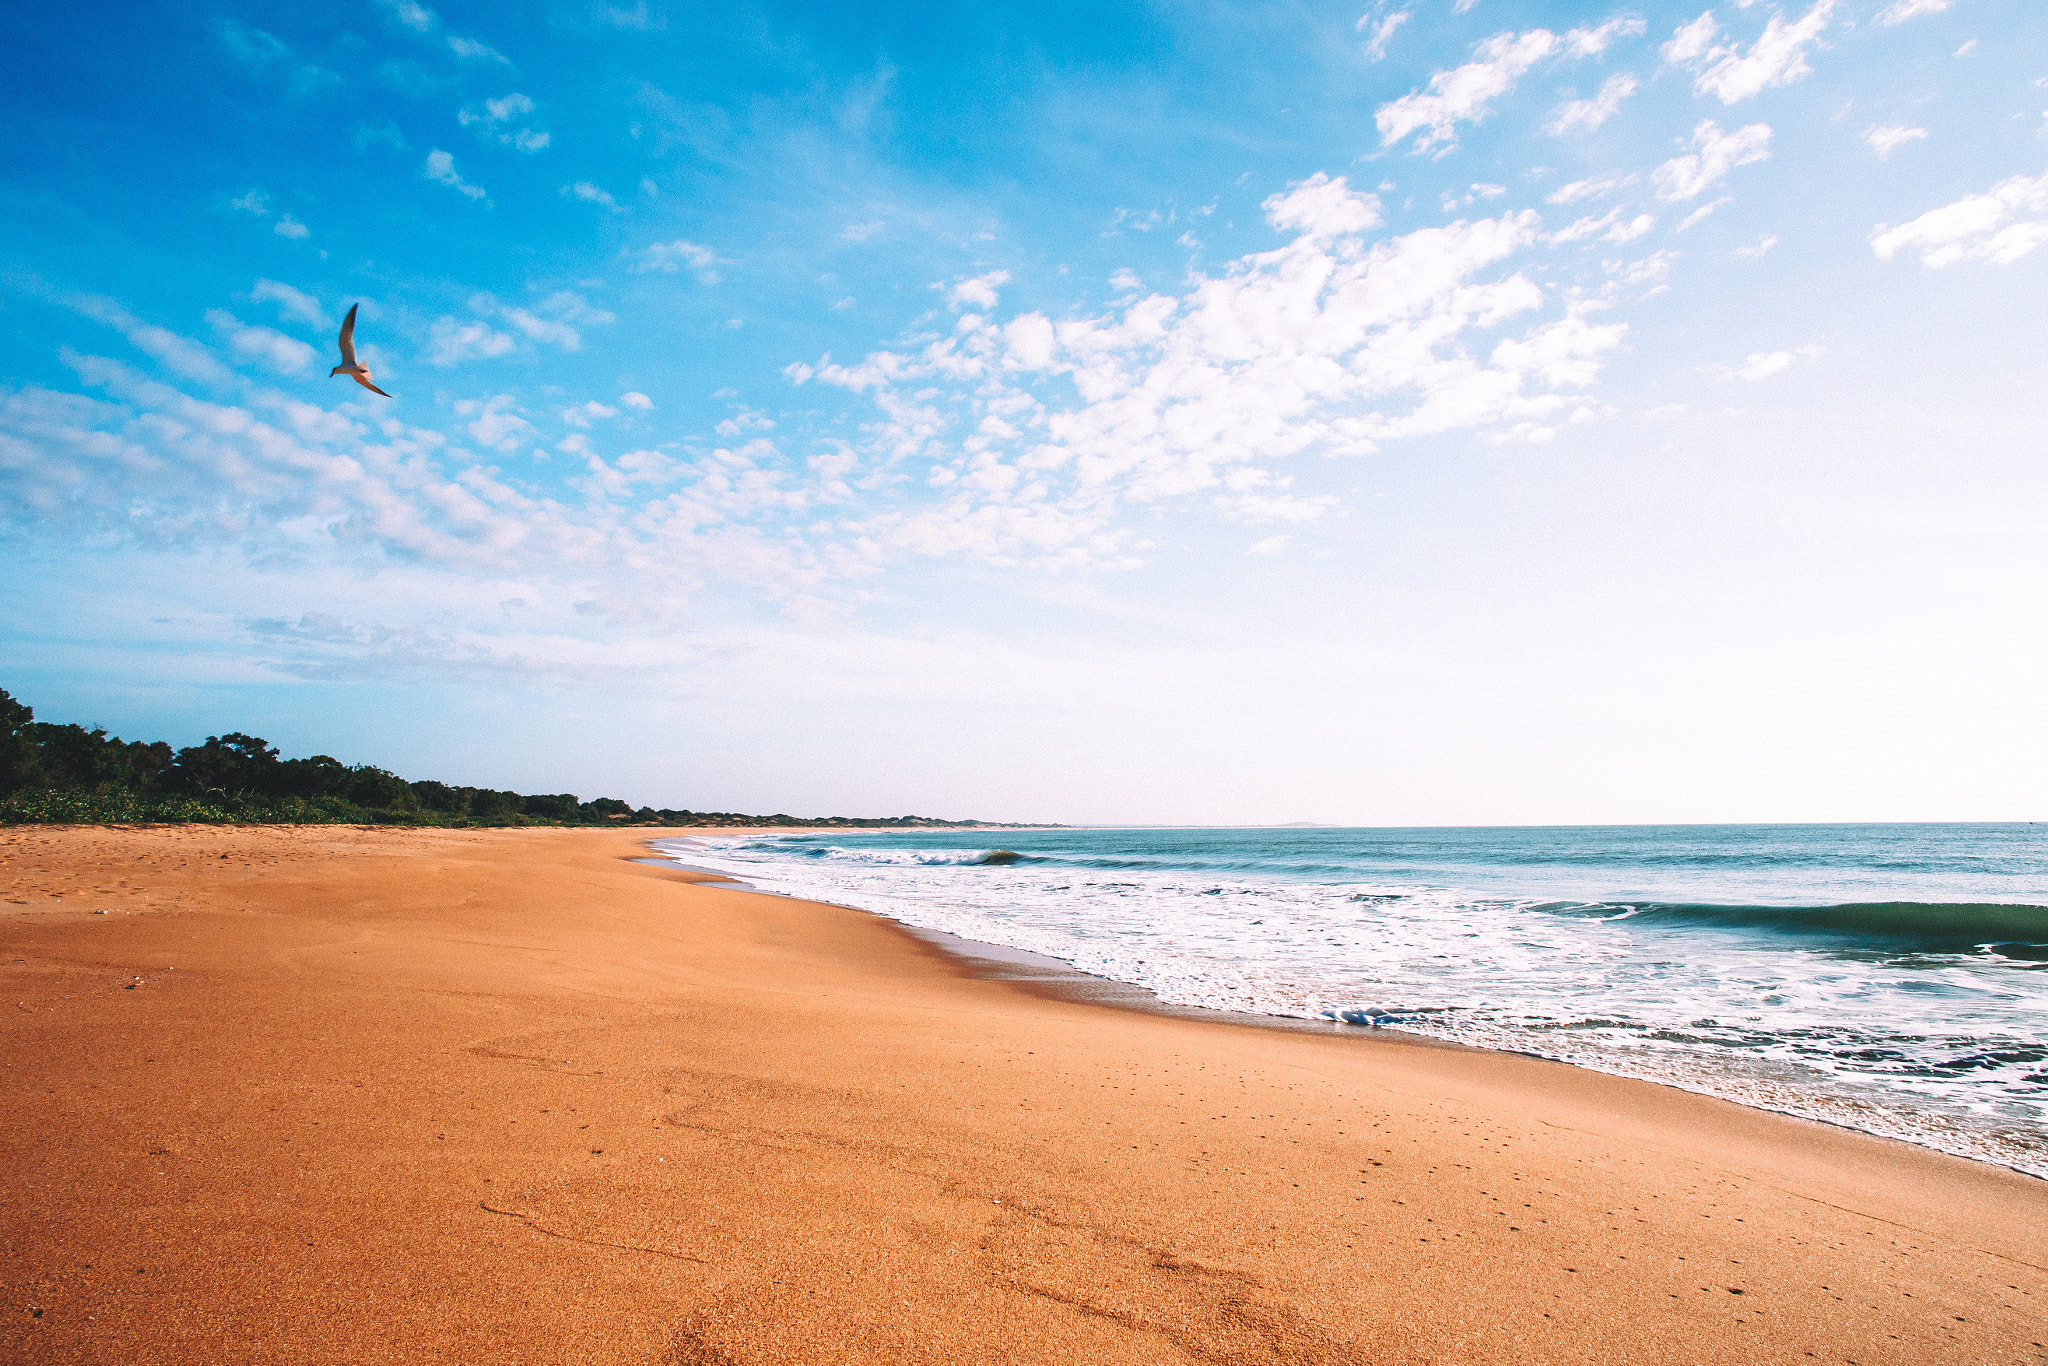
column 327, row 1095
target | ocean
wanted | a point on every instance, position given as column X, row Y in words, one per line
column 1890, row 978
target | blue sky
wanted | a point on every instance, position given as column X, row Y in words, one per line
column 1432, row 412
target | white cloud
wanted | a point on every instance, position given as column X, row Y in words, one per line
column 492, row 115
column 636, row 399
column 1901, row 10
column 412, row 14
column 1715, row 154
column 1690, row 43
column 549, row 330
column 1999, row 226
column 495, row 422
column 252, row 47
column 1592, row 42
column 288, row 226
column 275, row 478
column 471, row 50
column 1253, row 508
column 180, row 355
column 1524, row 433
column 1652, row 270
column 861, row 232
column 255, row 201
column 1565, row 354
column 573, row 307
column 1586, row 189
column 586, row 413
column 1255, row 495
column 1764, row 364
column 550, row 321
column 291, row 303
column 669, row 257
column 1125, row 280
column 591, row 194
column 1320, row 207
column 1038, row 430
column 1702, row 212
column 1608, row 227
column 638, row 18
column 441, row 169
column 1452, row 201
column 1056, row 435
column 1464, row 94
column 385, row 134
column 1272, row 545
column 1586, row 227
column 1030, row 343
column 271, row 349
column 1888, row 138
column 1777, row 57
column 979, row 291
column 500, row 110
column 744, row 421
column 1969, row 46
column 1756, row 252
column 1382, row 32
column 1583, row 116
column 1632, row 229
column 452, row 341
column 263, row 53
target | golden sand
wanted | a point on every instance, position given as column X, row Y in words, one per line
column 330, row 1095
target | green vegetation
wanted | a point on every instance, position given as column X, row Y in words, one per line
column 66, row 774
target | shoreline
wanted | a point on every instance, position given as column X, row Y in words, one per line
column 424, row 1096
column 1061, row 980
column 1058, row 979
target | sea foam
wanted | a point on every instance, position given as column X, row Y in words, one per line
column 1887, row 978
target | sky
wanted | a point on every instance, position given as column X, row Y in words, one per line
column 1437, row 412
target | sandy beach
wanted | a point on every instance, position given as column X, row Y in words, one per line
column 324, row 1094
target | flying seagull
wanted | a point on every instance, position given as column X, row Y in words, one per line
column 348, row 365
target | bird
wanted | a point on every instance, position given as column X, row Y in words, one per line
column 360, row 374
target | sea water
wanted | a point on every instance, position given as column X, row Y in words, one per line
column 1892, row 978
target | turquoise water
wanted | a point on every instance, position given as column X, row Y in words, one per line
column 1893, row 978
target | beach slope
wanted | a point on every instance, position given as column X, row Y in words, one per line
column 316, row 1095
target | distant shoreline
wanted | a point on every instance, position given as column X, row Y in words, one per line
column 67, row 774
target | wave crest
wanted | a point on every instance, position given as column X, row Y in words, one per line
column 1926, row 924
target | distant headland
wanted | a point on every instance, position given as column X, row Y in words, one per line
column 52, row 774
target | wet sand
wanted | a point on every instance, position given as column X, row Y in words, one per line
column 322, row 1095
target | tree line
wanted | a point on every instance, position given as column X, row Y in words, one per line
column 71, row 774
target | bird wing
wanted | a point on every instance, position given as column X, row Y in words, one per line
column 367, row 385
column 348, row 337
